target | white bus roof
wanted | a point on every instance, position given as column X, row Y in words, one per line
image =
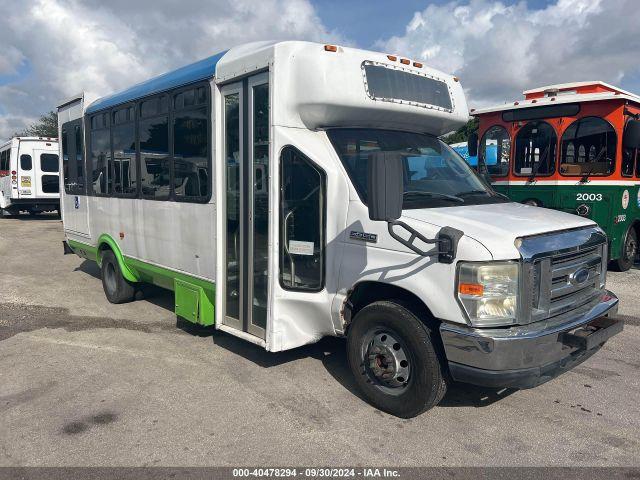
column 28, row 139
column 324, row 87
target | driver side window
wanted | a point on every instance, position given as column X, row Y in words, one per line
column 302, row 222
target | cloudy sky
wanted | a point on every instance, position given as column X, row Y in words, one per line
column 50, row 49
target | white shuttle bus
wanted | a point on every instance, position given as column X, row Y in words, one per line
column 290, row 191
column 29, row 179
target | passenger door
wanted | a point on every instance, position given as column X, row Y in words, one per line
column 246, row 280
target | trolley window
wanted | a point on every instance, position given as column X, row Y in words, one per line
column 588, row 148
column 495, row 149
column 535, row 150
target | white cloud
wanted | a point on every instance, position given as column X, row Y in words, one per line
column 498, row 50
column 100, row 47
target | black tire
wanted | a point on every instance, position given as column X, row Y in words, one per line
column 628, row 253
column 403, row 397
column 116, row 288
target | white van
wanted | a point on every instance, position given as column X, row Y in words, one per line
column 29, row 178
column 290, row 191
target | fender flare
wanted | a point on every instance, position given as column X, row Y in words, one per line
column 127, row 273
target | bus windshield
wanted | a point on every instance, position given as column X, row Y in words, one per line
column 435, row 175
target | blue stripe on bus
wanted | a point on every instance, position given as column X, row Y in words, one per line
column 195, row 72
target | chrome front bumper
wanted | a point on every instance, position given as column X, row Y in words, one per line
column 528, row 355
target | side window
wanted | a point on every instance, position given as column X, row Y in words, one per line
column 494, row 151
column 535, row 150
column 191, row 150
column 155, row 173
column 4, row 163
column 302, row 222
column 123, row 153
column 100, row 155
column 78, row 138
column 26, row 162
column 49, row 162
column 73, row 157
column 628, row 161
column 588, row 147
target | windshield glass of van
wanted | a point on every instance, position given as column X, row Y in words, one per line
column 434, row 175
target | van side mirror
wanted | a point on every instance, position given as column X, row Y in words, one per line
column 631, row 138
column 472, row 144
column 385, row 186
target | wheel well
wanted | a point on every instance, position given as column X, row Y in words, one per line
column 365, row 293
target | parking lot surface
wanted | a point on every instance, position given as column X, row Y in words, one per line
column 87, row 383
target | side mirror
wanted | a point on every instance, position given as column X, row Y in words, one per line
column 385, row 185
column 472, row 144
column 631, row 138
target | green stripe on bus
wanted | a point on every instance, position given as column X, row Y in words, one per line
column 202, row 304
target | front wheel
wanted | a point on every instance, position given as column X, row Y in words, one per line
column 629, row 252
column 394, row 361
column 116, row 288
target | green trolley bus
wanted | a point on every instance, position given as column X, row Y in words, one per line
column 571, row 147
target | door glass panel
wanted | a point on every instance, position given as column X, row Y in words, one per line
column 301, row 222
column 232, row 152
column 49, row 162
column 260, row 116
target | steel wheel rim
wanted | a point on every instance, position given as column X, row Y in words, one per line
column 631, row 248
column 386, row 361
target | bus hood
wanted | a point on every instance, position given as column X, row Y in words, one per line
column 497, row 226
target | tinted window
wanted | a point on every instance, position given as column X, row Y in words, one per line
column 49, row 162
column 154, row 157
column 535, row 150
column 302, row 222
column 535, row 113
column 154, row 106
column 25, row 162
column 390, row 84
column 191, row 154
column 124, row 159
column 4, row 162
column 100, row 162
column 79, row 157
column 73, row 157
column 628, row 161
column 50, row 184
column 190, row 98
column 588, row 148
column 100, row 120
column 494, row 151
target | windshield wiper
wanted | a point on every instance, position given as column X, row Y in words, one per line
column 444, row 196
column 473, row 192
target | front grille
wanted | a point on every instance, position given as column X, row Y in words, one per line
column 562, row 272
column 565, row 295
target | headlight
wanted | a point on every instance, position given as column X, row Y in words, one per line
column 488, row 292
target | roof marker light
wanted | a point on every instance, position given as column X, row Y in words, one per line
column 404, row 61
column 417, row 64
column 330, row 48
column 516, row 103
column 456, row 79
column 393, row 58
column 534, row 101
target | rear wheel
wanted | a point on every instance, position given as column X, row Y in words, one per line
column 116, row 288
column 394, row 361
column 628, row 253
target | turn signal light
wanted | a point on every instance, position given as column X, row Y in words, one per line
column 331, row 48
column 474, row 289
column 13, row 172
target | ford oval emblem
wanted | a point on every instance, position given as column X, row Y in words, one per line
column 579, row 276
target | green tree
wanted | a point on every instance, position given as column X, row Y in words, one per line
column 46, row 126
column 462, row 134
